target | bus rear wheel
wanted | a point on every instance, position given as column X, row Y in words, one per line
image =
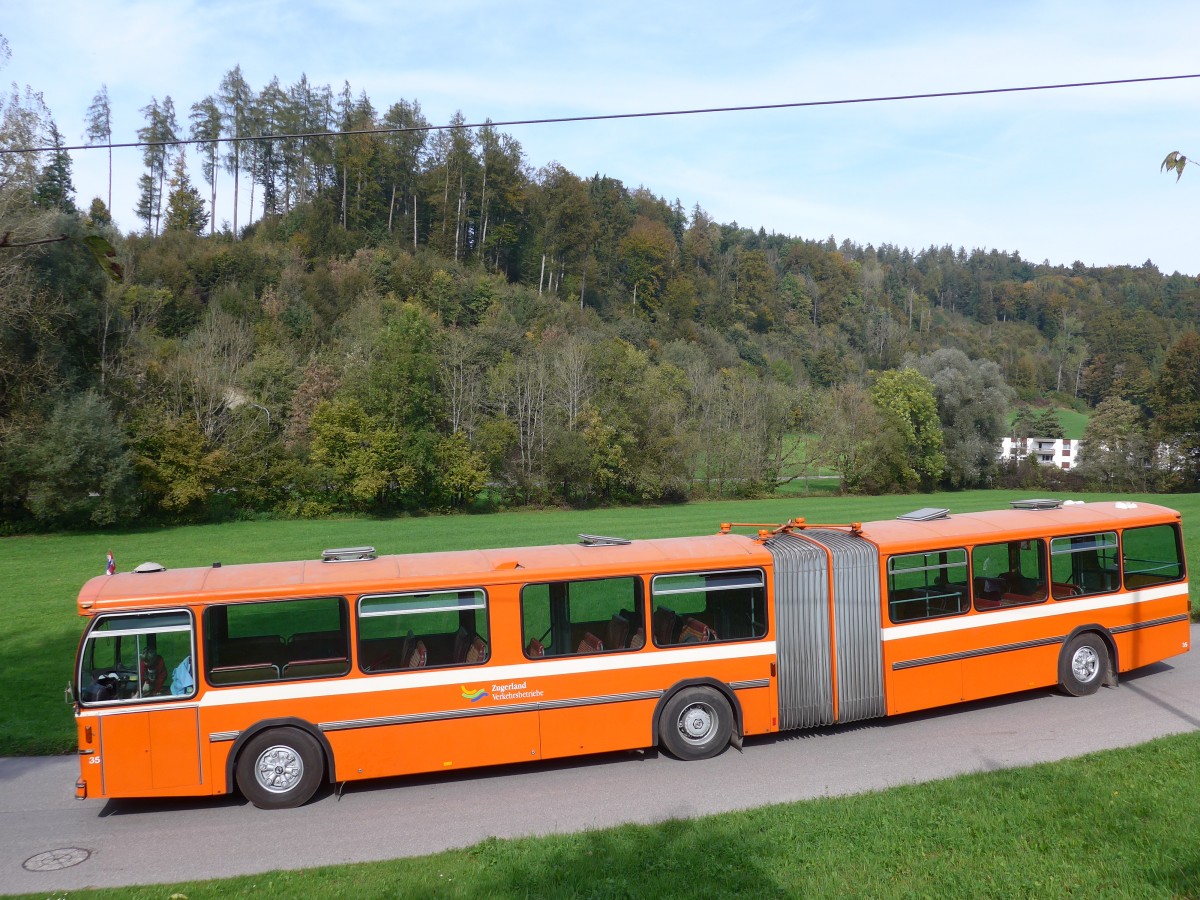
column 1083, row 665
column 280, row 768
column 696, row 723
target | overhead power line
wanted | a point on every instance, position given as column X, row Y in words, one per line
column 613, row 116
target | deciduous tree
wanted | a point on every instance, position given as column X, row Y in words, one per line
column 81, row 468
column 367, row 460
column 1176, row 402
column 179, row 468
column 1115, row 453
column 906, row 397
column 972, row 407
column 648, row 253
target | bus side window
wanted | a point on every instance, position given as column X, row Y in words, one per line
column 927, row 585
column 251, row 643
column 1083, row 565
column 422, row 630
column 571, row 618
column 701, row 607
column 1011, row 573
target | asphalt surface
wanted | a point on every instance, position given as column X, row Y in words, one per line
column 96, row 843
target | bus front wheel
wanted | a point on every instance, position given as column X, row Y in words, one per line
column 1083, row 665
column 280, row 768
column 696, row 723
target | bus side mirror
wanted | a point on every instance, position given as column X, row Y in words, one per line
column 68, row 694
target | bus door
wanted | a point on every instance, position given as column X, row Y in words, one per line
column 134, row 684
column 830, row 670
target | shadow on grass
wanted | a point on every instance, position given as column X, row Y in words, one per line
column 716, row 857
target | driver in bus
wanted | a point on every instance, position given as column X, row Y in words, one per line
column 154, row 672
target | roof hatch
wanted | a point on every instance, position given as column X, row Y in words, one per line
column 926, row 514
column 1036, row 504
column 348, row 554
column 599, row 540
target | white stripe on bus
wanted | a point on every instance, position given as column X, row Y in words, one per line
column 486, row 675
column 1043, row 610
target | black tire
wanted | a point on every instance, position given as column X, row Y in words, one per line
column 1083, row 666
column 696, row 723
column 280, row 768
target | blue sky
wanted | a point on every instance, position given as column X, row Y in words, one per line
column 1058, row 176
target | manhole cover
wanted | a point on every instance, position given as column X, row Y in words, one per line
column 56, row 859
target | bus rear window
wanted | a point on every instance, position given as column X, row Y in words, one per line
column 1151, row 556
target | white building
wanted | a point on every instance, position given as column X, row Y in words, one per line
column 1061, row 452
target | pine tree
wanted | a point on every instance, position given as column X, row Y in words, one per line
column 402, row 157
column 99, row 128
column 235, row 99
column 98, row 215
column 147, row 202
column 271, row 115
column 158, row 134
column 54, row 189
column 313, row 112
column 185, row 206
column 206, row 131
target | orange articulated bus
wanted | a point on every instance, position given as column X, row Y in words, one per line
column 273, row 678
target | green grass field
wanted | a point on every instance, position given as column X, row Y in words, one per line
column 1073, row 423
column 43, row 574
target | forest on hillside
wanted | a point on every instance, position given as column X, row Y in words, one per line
column 423, row 319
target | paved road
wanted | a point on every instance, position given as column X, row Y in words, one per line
column 135, row 842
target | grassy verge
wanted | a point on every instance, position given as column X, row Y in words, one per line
column 42, row 574
column 1115, row 824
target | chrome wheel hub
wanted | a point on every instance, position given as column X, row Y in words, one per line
column 279, row 769
column 696, row 723
column 1085, row 664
